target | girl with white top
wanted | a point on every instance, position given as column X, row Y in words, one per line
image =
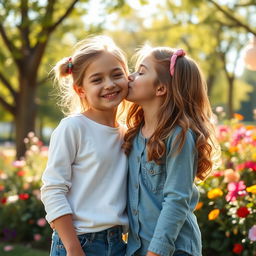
column 84, row 184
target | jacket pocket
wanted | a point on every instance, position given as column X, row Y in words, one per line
column 154, row 176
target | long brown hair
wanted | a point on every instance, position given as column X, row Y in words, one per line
column 186, row 104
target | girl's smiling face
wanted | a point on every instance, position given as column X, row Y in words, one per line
column 142, row 83
column 105, row 83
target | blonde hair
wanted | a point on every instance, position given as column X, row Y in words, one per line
column 186, row 105
column 85, row 52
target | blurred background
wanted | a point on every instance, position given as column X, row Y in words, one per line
column 34, row 35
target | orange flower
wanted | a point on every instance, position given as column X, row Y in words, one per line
column 250, row 127
column 213, row 214
column 251, row 189
column 125, row 237
column 199, row 206
column 214, row 193
column 238, row 117
column 233, row 149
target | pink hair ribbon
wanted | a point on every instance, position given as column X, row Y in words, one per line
column 178, row 53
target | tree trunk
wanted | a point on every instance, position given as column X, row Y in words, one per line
column 210, row 83
column 230, row 109
column 26, row 113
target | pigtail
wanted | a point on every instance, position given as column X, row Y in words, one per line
column 66, row 97
column 63, row 68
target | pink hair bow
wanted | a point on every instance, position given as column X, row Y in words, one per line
column 178, row 53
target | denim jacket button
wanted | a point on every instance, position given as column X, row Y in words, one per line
column 151, row 171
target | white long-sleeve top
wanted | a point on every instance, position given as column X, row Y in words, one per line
column 86, row 175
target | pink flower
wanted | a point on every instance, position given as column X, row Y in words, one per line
column 247, row 165
column 252, row 233
column 231, row 176
column 235, row 189
column 19, row 163
column 250, row 165
column 8, row 248
column 41, row 222
column 37, row 237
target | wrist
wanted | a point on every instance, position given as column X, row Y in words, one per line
column 73, row 246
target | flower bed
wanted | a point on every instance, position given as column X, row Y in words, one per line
column 227, row 207
column 21, row 211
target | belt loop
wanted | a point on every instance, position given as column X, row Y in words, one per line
column 92, row 236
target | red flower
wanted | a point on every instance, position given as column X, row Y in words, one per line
column 242, row 212
column 20, row 173
column 3, row 200
column 238, row 248
column 24, row 196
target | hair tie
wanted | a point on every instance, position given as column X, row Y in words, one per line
column 70, row 65
column 178, row 53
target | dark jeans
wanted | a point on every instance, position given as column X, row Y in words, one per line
column 104, row 243
column 181, row 253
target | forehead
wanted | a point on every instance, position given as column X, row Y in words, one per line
column 147, row 61
column 103, row 63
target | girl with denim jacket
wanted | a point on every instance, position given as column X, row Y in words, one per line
column 170, row 142
column 87, row 213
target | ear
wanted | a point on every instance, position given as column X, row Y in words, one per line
column 79, row 90
column 160, row 90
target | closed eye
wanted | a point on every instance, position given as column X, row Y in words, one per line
column 118, row 74
column 97, row 80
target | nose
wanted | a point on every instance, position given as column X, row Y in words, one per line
column 131, row 77
column 109, row 84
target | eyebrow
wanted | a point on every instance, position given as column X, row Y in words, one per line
column 144, row 66
column 100, row 73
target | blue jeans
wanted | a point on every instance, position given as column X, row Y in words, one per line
column 181, row 253
column 176, row 253
column 104, row 243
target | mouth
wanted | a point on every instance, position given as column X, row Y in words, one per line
column 110, row 95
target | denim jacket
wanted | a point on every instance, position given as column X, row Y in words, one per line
column 161, row 199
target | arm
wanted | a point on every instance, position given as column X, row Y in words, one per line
column 57, row 182
column 180, row 174
column 66, row 231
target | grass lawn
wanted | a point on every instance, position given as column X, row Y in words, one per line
column 20, row 250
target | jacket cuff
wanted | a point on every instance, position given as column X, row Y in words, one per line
column 159, row 247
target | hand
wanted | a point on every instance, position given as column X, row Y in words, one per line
column 149, row 253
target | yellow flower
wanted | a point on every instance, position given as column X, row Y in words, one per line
column 199, row 206
column 213, row 214
column 214, row 193
column 251, row 189
column 254, row 156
